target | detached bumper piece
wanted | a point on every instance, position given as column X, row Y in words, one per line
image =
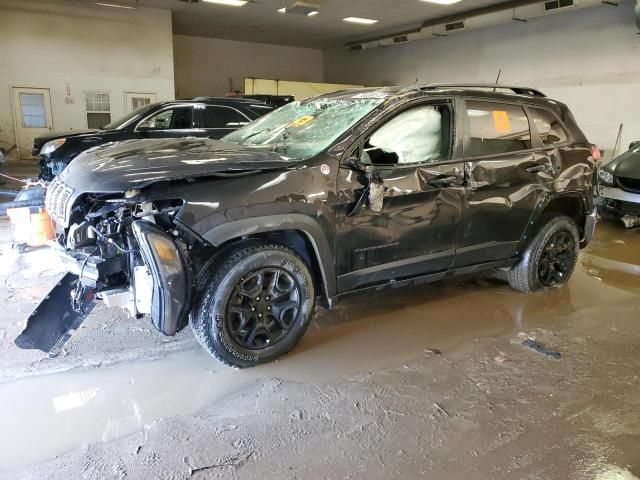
column 49, row 326
column 171, row 293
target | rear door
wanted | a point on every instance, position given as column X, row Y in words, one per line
column 505, row 179
column 216, row 121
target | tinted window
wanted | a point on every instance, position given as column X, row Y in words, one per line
column 173, row 119
column 549, row 127
column 497, row 128
column 222, row 117
column 417, row 135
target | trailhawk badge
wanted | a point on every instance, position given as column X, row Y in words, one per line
column 325, row 169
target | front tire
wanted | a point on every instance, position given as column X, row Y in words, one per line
column 255, row 306
column 550, row 258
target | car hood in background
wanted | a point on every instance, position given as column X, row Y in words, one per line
column 626, row 165
column 137, row 163
column 41, row 140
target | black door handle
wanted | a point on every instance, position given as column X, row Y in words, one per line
column 442, row 181
column 536, row 168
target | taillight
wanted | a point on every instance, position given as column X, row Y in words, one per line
column 595, row 153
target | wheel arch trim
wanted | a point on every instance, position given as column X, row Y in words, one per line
column 304, row 224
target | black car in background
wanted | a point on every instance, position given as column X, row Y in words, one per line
column 619, row 187
column 210, row 117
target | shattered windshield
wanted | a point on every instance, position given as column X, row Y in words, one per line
column 303, row 129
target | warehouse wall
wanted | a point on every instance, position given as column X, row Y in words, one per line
column 50, row 44
column 204, row 66
column 588, row 58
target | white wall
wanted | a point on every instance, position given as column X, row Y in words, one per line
column 587, row 58
column 204, row 65
column 49, row 44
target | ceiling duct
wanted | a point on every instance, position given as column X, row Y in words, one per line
column 299, row 7
column 505, row 12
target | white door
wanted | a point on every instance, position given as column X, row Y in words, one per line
column 32, row 117
column 135, row 100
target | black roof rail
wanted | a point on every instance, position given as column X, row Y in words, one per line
column 226, row 99
column 519, row 90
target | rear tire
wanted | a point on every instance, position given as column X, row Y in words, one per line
column 256, row 305
column 550, row 258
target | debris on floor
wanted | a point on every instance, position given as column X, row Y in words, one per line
column 540, row 348
column 631, row 221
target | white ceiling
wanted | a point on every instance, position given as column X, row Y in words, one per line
column 259, row 21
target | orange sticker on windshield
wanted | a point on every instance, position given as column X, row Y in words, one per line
column 302, row 120
column 501, row 121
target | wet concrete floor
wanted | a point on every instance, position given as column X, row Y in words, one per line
column 364, row 387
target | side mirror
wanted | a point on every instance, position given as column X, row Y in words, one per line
column 144, row 126
column 634, row 144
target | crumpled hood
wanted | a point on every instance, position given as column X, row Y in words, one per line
column 626, row 165
column 130, row 164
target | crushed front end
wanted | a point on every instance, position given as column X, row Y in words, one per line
column 121, row 248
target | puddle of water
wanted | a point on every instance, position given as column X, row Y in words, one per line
column 48, row 415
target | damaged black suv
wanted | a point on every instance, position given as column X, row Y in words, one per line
column 339, row 193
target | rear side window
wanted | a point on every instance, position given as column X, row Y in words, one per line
column 548, row 127
column 223, row 117
column 497, row 128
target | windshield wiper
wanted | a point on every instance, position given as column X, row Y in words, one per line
column 253, row 135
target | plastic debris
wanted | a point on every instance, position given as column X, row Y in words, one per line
column 540, row 348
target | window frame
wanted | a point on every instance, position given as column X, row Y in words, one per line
column 87, row 111
column 159, row 111
column 201, row 107
column 454, row 156
column 467, row 129
column 538, row 136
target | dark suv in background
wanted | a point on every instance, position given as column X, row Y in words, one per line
column 201, row 117
column 336, row 194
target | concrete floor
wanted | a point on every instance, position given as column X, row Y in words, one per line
column 427, row 382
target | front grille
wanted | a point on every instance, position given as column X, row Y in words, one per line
column 629, row 184
column 58, row 195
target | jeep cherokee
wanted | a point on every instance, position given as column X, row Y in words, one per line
column 336, row 194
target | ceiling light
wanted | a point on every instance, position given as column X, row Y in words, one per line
column 229, row 3
column 363, row 21
column 282, row 10
column 115, row 5
column 442, row 2
column 311, row 14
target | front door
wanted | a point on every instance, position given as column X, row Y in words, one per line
column 505, row 179
column 413, row 233
column 32, row 117
column 171, row 122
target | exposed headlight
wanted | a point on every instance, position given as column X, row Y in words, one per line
column 52, row 146
column 170, row 297
column 605, row 177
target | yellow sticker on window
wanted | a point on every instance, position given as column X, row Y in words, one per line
column 501, row 121
column 302, row 121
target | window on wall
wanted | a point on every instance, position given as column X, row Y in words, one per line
column 497, row 128
column 139, row 102
column 548, row 127
column 33, row 112
column 98, row 109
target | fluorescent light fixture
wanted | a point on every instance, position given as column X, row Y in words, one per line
column 229, row 3
column 115, row 5
column 311, row 14
column 362, row 21
column 442, row 2
column 282, row 10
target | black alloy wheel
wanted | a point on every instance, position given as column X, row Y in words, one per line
column 557, row 258
column 262, row 308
